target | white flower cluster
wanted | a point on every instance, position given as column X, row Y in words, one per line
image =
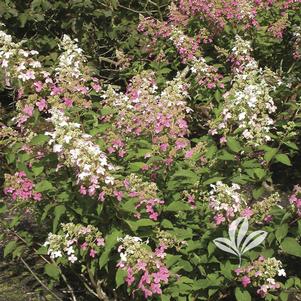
column 226, row 200
column 71, row 61
column 248, row 104
column 74, row 237
column 56, row 243
column 129, row 245
column 16, row 62
column 79, row 151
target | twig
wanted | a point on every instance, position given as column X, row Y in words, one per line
column 65, row 280
column 100, row 293
column 105, row 59
column 137, row 11
column 39, row 280
column 47, row 261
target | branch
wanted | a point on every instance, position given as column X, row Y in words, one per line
column 39, row 280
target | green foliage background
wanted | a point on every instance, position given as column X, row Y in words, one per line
column 102, row 27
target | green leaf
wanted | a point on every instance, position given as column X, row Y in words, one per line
column 257, row 192
column 144, row 222
column 37, row 170
column 110, row 242
column 18, row 251
column 233, row 144
column 39, row 139
column 165, row 297
column 226, row 156
column 291, row 246
column 167, row 224
column 213, row 180
column 242, row 295
column 52, row 271
column 226, row 270
column 58, row 212
column 284, row 296
column 292, row 145
column 3, row 208
column 185, row 265
column 281, row 232
column 129, row 205
column 136, row 166
column 41, row 251
column 260, row 173
column 218, row 95
column 191, row 176
column 171, row 259
column 43, row 186
column 177, row 206
column 282, row 158
column 9, row 248
column 119, row 278
column 24, row 157
column 270, row 153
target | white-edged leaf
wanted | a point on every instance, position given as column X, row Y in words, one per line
column 226, row 245
column 261, row 235
column 232, row 232
column 242, row 232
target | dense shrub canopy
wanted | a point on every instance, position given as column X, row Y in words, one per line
column 150, row 150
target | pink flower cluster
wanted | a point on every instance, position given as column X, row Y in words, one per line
column 277, row 29
column 219, row 12
column 188, row 48
column 146, row 193
column 295, row 200
column 19, row 187
column 143, row 112
column 146, row 271
column 261, row 274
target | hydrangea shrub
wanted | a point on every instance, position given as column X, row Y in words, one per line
column 130, row 184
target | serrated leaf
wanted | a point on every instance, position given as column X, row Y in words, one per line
column 291, row 246
column 177, row 206
column 43, row 186
column 39, row 139
column 233, row 144
column 213, row 180
column 227, row 156
column 119, row 278
column 242, row 295
column 110, row 242
column 58, row 212
column 37, row 170
column 284, row 159
column 270, row 153
column 281, row 232
column 136, row 166
column 9, row 248
column 144, row 222
column 52, row 271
